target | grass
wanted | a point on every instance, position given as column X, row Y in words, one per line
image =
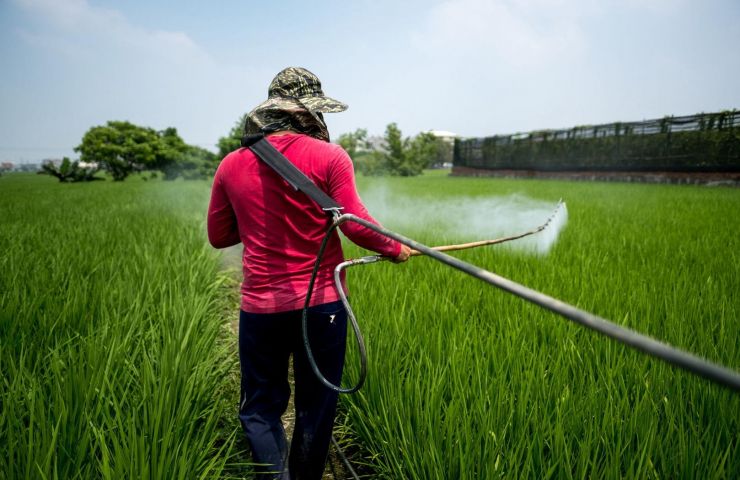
column 111, row 358
column 113, row 363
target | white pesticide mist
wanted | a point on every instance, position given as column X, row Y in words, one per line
column 465, row 219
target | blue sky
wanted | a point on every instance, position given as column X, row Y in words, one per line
column 474, row 67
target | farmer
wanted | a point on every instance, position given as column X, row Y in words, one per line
column 281, row 230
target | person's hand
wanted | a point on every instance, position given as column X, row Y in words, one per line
column 403, row 256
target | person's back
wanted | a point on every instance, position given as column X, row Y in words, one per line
column 281, row 228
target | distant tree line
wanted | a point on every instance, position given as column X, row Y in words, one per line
column 701, row 142
column 122, row 148
column 395, row 156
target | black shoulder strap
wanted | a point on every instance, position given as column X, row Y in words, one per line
column 297, row 179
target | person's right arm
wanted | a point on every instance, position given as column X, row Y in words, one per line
column 223, row 230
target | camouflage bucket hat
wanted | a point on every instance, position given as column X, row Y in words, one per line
column 295, row 101
column 298, row 85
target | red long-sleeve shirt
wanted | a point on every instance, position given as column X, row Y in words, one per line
column 282, row 229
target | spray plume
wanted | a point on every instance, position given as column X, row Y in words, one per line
column 465, row 219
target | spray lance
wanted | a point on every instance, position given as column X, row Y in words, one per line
column 672, row 355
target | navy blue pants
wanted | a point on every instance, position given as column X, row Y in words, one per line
column 266, row 342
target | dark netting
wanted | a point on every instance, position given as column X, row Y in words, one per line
column 707, row 142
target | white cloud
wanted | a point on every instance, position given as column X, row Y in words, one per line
column 75, row 19
column 527, row 33
column 106, row 67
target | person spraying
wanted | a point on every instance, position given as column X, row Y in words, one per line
column 281, row 230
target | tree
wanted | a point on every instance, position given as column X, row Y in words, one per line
column 68, row 171
column 445, row 152
column 195, row 163
column 354, row 143
column 395, row 156
column 372, row 164
column 421, row 152
column 122, row 148
column 233, row 140
column 399, row 156
column 406, row 157
column 170, row 154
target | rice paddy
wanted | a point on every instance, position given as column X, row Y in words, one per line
column 114, row 361
column 111, row 308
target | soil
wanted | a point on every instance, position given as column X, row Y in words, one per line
column 712, row 179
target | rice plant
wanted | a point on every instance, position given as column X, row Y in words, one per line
column 112, row 358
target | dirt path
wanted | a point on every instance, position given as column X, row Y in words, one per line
column 232, row 261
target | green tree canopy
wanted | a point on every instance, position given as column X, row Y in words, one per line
column 195, row 162
column 421, row 152
column 121, row 148
column 395, row 156
column 353, row 142
column 233, row 140
column 172, row 149
column 407, row 157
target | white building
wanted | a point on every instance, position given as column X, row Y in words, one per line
column 444, row 135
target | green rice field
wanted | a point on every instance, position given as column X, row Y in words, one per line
column 116, row 358
column 112, row 358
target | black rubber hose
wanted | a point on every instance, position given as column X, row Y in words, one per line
column 353, row 321
column 344, row 458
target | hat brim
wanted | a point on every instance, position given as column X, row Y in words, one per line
column 323, row 104
column 313, row 104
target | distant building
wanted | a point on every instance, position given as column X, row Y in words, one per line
column 374, row 143
column 54, row 161
column 444, row 135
